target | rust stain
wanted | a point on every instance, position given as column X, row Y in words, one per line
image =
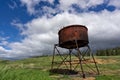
column 69, row 34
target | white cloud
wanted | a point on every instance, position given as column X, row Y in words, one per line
column 42, row 33
column 48, row 11
column 2, row 49
column 4, row 53
column 50, row 1
column 64, row 5
column 18, row 25
column 83, row 4
column 1, row 38
column 115, row 3
column 3, row 41
column 30, row 4
column 95, row 2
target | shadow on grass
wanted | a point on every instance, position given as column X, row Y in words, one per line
column 63, row 71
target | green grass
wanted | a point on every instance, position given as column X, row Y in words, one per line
column 38, row 69
column 108, row 77
column 24, row 74
column 110, row 70
column 27, row 69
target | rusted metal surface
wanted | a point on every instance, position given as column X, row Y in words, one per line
column 69, row 34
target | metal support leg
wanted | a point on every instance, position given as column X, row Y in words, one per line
column 80, row 59
column 70, row 59
column 53, row 57
column 94, row 60
column 63, row 59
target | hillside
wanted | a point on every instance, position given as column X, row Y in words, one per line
column 38, row 69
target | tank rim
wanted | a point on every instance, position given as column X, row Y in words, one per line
column 72, row 26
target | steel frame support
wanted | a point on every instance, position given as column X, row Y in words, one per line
column 79, row 55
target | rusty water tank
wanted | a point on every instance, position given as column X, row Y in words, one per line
column 69, row 34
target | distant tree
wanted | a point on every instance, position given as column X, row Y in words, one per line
column 108, row 52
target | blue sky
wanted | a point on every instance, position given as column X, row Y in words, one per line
column 29, row 27
column 9, row 14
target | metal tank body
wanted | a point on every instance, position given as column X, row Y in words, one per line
column 69, row 34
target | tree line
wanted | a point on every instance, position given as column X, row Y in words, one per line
column 108, row 52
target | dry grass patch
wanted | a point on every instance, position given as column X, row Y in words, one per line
column 87, row 78
column 105, row 61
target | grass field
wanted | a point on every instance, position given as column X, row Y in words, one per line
column 38, row 69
